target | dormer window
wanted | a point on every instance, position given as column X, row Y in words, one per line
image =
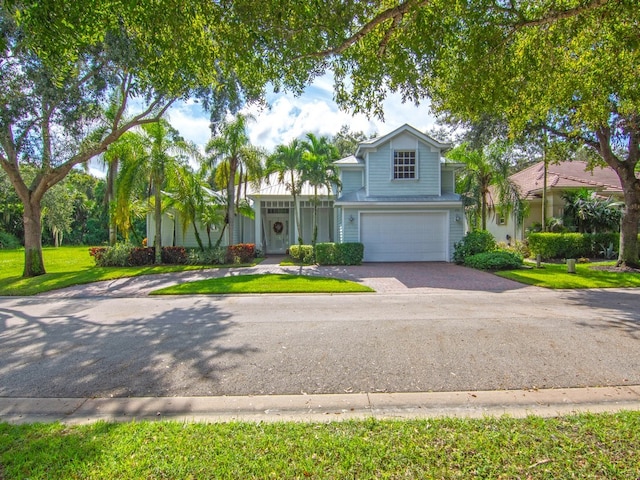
column 404, row 165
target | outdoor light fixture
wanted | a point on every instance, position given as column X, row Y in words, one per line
column 457, row 218
column 351, row 219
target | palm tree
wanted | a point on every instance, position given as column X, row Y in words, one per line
column 318, row 169
column 485, row 171
column 286, row 162
column 164, row 151
column 124, row 150
column 188, row 196
column 232, row 147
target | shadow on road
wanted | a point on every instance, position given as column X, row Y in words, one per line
column 61, row 352
column 624, row 308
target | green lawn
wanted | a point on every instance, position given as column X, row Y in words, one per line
column 267, row 283
column 554, row 275
column 66, row 266
column 582, row 446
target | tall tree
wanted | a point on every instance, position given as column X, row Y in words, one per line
column 232, row 146
column 286, row 162
column 318, row 170
column 60, row 61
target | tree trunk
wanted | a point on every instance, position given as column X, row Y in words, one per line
column 231, row 193
column 628, row 253
column 157, row 239
column 33, row 263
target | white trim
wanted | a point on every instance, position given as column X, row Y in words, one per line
column 364, row 205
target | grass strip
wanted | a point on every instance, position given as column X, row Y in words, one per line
column 68, row 266
column 580, row 446
column 264, row 283
column 555, row 276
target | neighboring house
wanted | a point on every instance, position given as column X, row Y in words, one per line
column 561, row 177
column 397, row 198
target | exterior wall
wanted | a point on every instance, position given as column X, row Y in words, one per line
column 380, row 169
column 167, row 230
column 448, row 182
column 352, row 180
column 351, row 225
column 457, row 229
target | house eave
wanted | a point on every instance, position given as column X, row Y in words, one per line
column 395, row 204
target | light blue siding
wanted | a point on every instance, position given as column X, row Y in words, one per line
column 456, row 228
column 380, row 171
column 448, row 182
column 352, row 180
column 350, row 228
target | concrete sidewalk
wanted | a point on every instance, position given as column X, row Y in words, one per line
column 324, row 408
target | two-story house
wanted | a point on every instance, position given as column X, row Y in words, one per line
column 397, row 197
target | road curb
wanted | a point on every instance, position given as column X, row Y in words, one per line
column 324, row 408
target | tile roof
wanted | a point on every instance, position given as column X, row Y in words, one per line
column 566, row 175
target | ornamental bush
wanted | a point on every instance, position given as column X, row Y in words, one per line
column 174, row 255
column 478, row 241
column 571, row 245
column 326, row 253
column 350, row 253
column 302, row 253
column 9, row 241
column 208, row 256
column 495, row 260
column 241, row 253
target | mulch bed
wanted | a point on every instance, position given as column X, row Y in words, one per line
column 614, row 269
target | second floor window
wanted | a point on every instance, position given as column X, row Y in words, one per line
column 404, row 164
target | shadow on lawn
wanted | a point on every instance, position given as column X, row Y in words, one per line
column 62, row 352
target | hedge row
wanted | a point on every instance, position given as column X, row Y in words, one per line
column 329, row 253
column 124, row 255
column 572, row 245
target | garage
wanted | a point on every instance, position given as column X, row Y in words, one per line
column 404, row 236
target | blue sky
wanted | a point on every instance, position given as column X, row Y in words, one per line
column 287, row 116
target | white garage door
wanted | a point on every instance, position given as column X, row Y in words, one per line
column 404, row 237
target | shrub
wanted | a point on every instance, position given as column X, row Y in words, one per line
column 142, row 256
column 97, row 253
column 495, row 260
column 571, row 245
column 302, row 253
column 115, row 256
column 349, row 253
column 521, row 248
column 326, row 254
column 241, row 253
column 478, row 241
column 174, row 255
column 209, row 256
column 9, row 241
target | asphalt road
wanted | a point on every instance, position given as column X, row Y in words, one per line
column 240, row 345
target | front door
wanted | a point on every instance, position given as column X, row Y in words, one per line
column 277, row 233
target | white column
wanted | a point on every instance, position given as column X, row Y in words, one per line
column 258, row 225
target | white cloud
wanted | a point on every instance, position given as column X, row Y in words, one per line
column 288, row 117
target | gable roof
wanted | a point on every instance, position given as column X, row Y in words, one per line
column 566, row 175
column 376, row 142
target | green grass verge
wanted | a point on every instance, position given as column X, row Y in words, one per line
column 553, row 275
column 264, row 283
column 581, row 446
column 67, row 266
